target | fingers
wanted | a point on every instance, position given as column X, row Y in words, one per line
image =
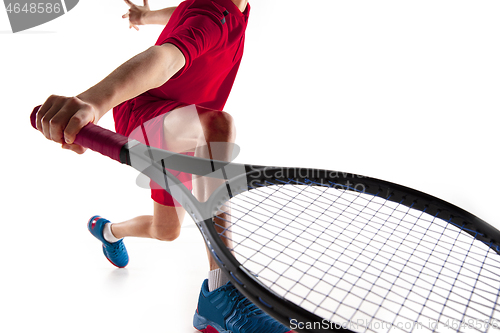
column 135, row 27
column 132, row 20
column 61, row 118
column 42, row 111
column 73, row 147
column 46, row 115
column 54, row 123
column 135, row 14
column 81, row 118
column 131, row 25
column 129, row 3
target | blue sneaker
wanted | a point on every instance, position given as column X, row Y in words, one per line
column 226, row 310
column 116, row 253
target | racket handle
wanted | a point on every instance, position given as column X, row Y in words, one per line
column 97, row 139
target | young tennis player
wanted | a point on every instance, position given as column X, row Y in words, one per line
column 194, row 62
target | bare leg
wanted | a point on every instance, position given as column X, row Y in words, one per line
column 181, row 132
column 187, row 129
column 203, row 187
column 210, row 129
column 164, row 225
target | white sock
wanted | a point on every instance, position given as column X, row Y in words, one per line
column 108, row 234
column 216, row 279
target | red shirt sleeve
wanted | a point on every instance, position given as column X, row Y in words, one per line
column 199, row 31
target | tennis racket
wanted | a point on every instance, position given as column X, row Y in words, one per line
column 325, row 251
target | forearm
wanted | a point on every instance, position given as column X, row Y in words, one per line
column 147, row 70
column 161, row 16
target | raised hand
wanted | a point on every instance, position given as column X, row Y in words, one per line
column 136, row 14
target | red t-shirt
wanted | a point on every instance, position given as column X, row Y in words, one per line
column 211, row 36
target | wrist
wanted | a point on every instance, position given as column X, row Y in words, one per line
column 96, row 102
column 161, row 16
column 146, row 17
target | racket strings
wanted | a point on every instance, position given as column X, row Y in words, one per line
column 249, row 258
column 313, row 287
column 408, row 242
column 355, row 258
column 347, row 204
column 450, row 294
column 357, row 279
column 387, row 264
column 435, row 304
column 440, row 236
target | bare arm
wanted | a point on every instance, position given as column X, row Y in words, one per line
column 147, row 70
column 140, row 15
column 61, row 118
column 161, row 16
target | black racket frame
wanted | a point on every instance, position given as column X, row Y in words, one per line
column 286, row 311
column 152, row 162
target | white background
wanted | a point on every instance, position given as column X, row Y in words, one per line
column 406, row 91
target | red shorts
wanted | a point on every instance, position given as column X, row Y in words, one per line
column 144, row 114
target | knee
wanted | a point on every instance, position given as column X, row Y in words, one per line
column 218, row 126
column 166, row 232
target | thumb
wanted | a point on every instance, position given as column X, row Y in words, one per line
column 76, row 148
column 146, row 3
column 75, row 124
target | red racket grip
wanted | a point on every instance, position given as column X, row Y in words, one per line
column 97, row 139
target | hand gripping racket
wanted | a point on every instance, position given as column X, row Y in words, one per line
column 325, row 251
